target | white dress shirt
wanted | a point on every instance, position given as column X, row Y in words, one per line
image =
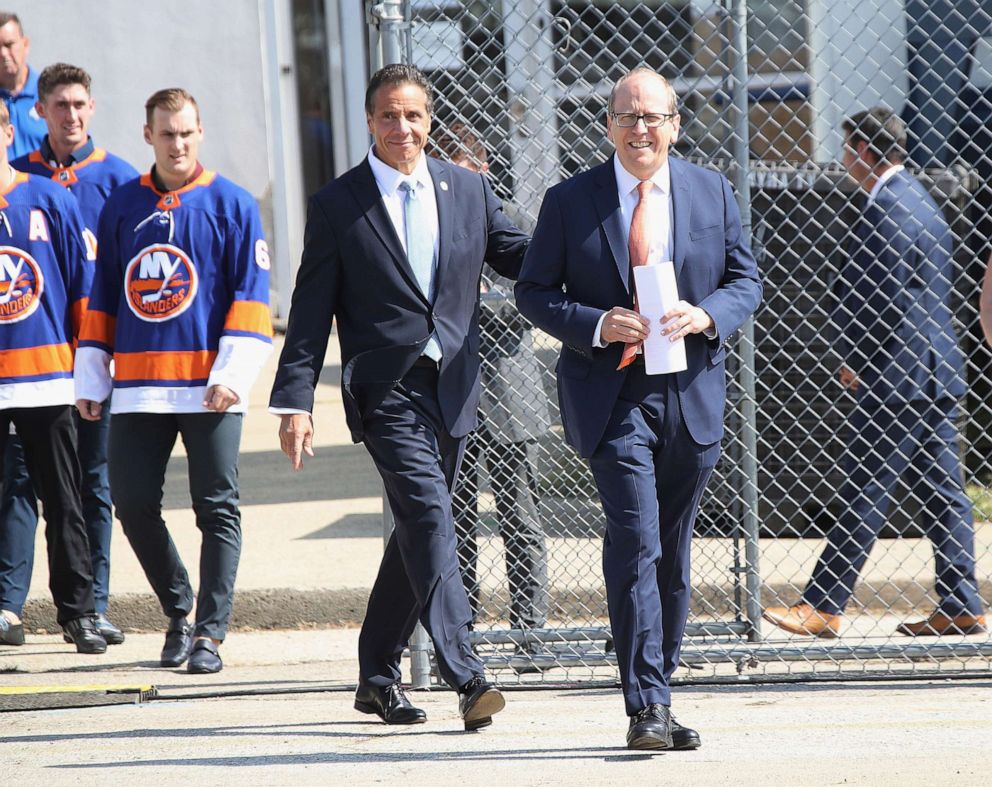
column 890, row 173
column 388, row 180
column 660, row 219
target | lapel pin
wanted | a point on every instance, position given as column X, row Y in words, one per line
column 444, row 185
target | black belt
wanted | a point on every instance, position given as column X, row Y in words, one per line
column 423, row 362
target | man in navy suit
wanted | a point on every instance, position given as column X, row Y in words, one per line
column 652, row 440
column 901, row 358
column 393, row 251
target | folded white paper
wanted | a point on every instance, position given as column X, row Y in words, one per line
column 657, row 292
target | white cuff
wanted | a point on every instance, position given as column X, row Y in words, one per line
column 91, row 374
column 597, row 340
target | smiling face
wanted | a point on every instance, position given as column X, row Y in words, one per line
column 643, row 151
column 67, row 110
column 175, row 137
column 399, row 124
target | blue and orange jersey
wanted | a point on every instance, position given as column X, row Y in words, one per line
column 46, row 268
column 179, row 299
column 90, row 180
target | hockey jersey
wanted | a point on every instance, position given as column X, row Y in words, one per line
column 45, row 272
column 179, row 298
column 90, row 180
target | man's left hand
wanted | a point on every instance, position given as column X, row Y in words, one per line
column 684, row 318
column 219, row 398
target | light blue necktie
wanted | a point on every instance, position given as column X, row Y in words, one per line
column 420, row 251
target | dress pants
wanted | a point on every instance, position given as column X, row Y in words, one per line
column 48, row 436
column 418, row 578
column 916, row 440
column 140, row 446
column 650, row 474
column 19, row 514
column 511, row 478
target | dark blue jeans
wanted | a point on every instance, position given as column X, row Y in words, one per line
column 19, row 515
column 140, row 446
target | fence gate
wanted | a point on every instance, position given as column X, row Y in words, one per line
column 764, row 87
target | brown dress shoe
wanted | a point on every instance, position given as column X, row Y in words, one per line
column 939, row 624
column 804, row 619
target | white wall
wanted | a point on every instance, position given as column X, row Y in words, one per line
column 857, row 60
column 131, row 49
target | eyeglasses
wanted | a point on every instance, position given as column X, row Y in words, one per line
column 651, row 119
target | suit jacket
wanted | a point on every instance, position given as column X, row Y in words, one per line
column 578, row 267
column 354, row 270
column 892, row 316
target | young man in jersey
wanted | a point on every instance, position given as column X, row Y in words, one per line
column 45, row 273
column 180, row 303
column 68, row 157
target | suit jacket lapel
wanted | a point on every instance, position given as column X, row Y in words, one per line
column 681, row 203
column 608, row 206
column 366, row 192
column 445, row 196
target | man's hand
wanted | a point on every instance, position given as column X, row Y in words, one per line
column 219, row 398
column 624, row 325
column 849, row 379
column 89, row 410
column 296, row 437
column 684, row 318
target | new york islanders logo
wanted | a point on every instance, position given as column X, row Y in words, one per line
column 161, row 283
column 21, row 284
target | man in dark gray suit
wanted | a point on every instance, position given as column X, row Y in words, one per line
column 513, row 413
column 393, row 252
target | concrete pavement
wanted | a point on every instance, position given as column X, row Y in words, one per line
column 280, row 712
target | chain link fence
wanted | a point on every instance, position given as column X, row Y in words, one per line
column 763, row 87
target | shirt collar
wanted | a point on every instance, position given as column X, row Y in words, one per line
column 74, row 158
column 30, row 89
column 389, row 179
column 884, row 178
column 626, row 183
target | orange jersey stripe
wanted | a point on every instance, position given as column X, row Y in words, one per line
column 98, row 327
column 249, row 316
column 79, row 314
column 180, row 366
column 32, row 361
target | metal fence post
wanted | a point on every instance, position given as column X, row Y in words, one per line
column 742, row 156
column 386, row 20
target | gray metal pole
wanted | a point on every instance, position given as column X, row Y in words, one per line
column 387, row 16
column 749, row 432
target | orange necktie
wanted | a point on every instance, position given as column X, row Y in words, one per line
column 637, row 246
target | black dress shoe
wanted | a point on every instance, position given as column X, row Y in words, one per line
column 106, row 629
column 82, row 632
column 390, row 704
column 11, row 633
column 204, row 659
column 478, row 701
column 178, row 642
column 684, row 739
column 650, row 728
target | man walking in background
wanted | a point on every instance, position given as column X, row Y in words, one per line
column 68, row 157
column 19, row 87
column 901, row 359
column 45, row 273
column 180, row 304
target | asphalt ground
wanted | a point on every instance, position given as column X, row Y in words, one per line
column 281, row 710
